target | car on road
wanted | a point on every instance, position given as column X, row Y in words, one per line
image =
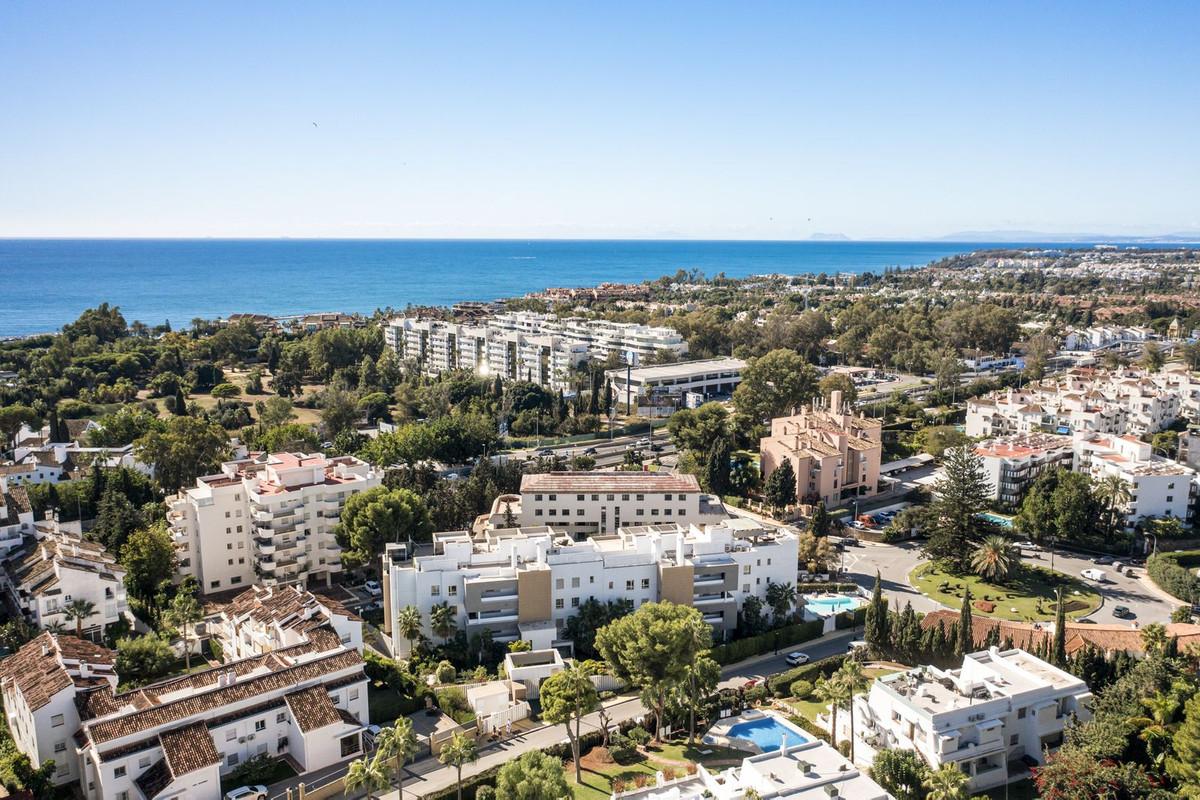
column 857, row 644
column 1103, row 561
column 1030, row 546
column 1096, row 575
column 247, row 793
column 545, row 451
column 643, row 442
column 1122, row 612
column 373, row 588
column 797, row 658
column 656, row 448
column 589, row 451
column 370, row 735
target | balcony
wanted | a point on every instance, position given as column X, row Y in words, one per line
column 498, row 597
column 264, row 546
column 710, row 598
column 714, row 619
column 491, row 617
column 709, row 580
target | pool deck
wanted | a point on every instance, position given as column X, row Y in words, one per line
column 718, row 734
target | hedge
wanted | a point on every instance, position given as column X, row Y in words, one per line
column 470, row 786
column 809, row 727
column 811, row 672
column 850, row 619
column 1174, row 573
column 821, row 588
column 767, row 642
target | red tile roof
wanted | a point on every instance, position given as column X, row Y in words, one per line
column 312, row 708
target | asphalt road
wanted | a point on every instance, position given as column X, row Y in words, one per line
column 608, row 452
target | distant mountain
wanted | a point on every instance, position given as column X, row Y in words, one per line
column 1042, row 236
column 829, row 237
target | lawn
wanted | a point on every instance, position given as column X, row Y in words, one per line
column 1028, row 595
column 810, row 708
column 598, row 777
column 383, row 704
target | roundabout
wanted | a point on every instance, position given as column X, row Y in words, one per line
column 1027, row 595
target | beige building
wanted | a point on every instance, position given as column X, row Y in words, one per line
column 834, row 453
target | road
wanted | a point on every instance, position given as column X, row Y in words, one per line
column 608, row 452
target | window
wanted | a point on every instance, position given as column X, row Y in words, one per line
column 654, row 512
column 452, row 590
column 1169, row 498
column 353, row 695
column 682, row 512
column 122, row 795
column 746, row 569
column 143, row 762
column 435, row 590
column 260, row 725
column 230, row 734
column 234, row 581
column 229, row 530
column 239, row 528
column 553, row 497
column 746, row 588
column 1021, row 714
column 641, row 497
column 578, row 498
column 282, row 744
column 574, row 602
column 1012, row 740
column 350, row 745
column 554, row 512
column 595, row 497
column 537, row 512
column 609, row 497
column 591, row 578
column 241, row 545
column 645, row 583
column 537, row 497
column 768, row 562
column 574, row 583
column 558, row 583
column 226, row 515
column 280, row 717
column 667, row 497
column 579, row 512
column 629, row 586
column 624, row 497
column 60, row 747
column 118, row 772
column 231, row 562
column 558, row 602
column 232, row 760
column 56, row 720
column 667, row 512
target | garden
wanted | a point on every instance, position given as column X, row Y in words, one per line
column 631, row 762
column 1027, row 594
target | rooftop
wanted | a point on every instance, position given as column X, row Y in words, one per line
column 584, row 482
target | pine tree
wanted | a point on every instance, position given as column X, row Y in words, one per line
column 966, row 640
column 780, row 487
column 876, row 623
column 1184, row 764
column 819, row 525
column 908, row 641
column 962, row 493
column 1059, row 655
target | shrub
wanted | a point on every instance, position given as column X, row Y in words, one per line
column 1173, row 572
column 621, row 748
column 809, row 672
column 640, row 736
column 640, row 780
column 806, row 725
column 766, row 642
column 485, row 793
column 801, row 689
column 445, row 672
column 453, row 701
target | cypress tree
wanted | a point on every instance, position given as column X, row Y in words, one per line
column 180, row 402
column 966, row 639
column 819, row 525
column 52, row 427
column 1059, row 654
column 716, row 468
column 876, row 623
column 780, row 488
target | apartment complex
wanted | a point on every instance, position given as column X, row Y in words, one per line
column 999, row 707
column 834, row 453
column 525, row 346
column 262, row 619
column 524, row 583
column 267, row 519
column 16, row 515
column 59, row 567
column 1087, row 401
column 638, row 386
column 1105, row 337
column 176, row 737
column 1013, row 463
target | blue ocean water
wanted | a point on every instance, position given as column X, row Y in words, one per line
column 48, row 282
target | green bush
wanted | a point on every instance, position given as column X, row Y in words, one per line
column 850, row 619
column 621, row 748
column 640, row 736
column 445, row 672
column 801, row 689
column 453, row 702
column 806, row 725
column 810, row 672
column 1174, row 573
column 767, row 642
column 470, row 786
column 822, row 588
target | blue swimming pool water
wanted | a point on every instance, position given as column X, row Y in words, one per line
column 1003, row 522
column 767, row 733
column 832, row 605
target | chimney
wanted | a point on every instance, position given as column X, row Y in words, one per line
column 835, row 400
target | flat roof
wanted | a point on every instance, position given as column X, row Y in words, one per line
column 681, row 369
column 584, row 482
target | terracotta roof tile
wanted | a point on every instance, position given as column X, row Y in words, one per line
column 188, row 749
column 312, row 708
column 37, row 668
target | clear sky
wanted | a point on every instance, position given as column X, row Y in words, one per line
column 600, row 119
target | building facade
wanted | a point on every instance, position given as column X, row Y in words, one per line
column 266, row 618
column 524, row 583
column 266, row 520
column 1013, row 463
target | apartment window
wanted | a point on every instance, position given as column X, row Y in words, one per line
column 641, row 497
column 537, row 512
column 235, row 580
column 641, row 512
column 280, row 717
column 554, row 512
column 559, row 583
column 666, row 512
column 591, row 578
column 229, row 530
column 558, row 603
column 1169, row 498
column 746, row 569
column 578, row 498
column 682, row 512
column 143, row 762
column 574, row 583
column 237, row 497
column 61, row 746
column 595, row 497
column 241, row 545
column 758, row 562
column 746, row 588
column 239, row 528
column 1021, row 714
column 609, row 497
column 624, row 497
column 553, row 497
column 768, row 562
column 654, row 512
column 610, row 584
column 1012, row 740
column 645, row 583
column 232, row 760
column 231, row 562
column 353, row 695
column 242, row 560
column 435, row 590
column 226, row 515
column 63, row 769
column 56, row 720
column 574, row 602
column 230, row 734
column 537, row 497
column 238, row 513
column 118, row 772
column 229, row 545
column 260, row 725
column 452, row 591
column 629, row 586
column 282, row 744
column 667, row 497
column 579, row 512
column 122, row 795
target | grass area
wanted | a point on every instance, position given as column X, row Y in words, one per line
column 597, row 781
column 680, row 750
column 809, row 708
column 1028, row 595
column 598, row 778
column 383, row 704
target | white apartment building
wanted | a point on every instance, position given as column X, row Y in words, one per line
column 268, row 519
column 1013, row 463
column 262, row 619
column 16, row 516
column 1159, row 487
column 175, row 738
column 801, row 770
column 524, row 583
column 999, row 707
column 1103, row 337
column 706, row 377
column 1085, row 400
column 583, row 503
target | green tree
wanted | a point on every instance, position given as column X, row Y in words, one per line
column 367, row 774
column 833, row 692
column 591, row 616
column 457, row 753
column 961, row 494
column 946, row 783
column 966, row 633
column 1184, row 762
column 116, row 518
column 900, row 773
column 532, row 776
column 780, row 486
column 716, row 468
column 1058, row 652
column 652, row 647
column 1114, row 493
column 13, row 417
column 780, row 597
column 80, row 611
column 408, row 625
column 380, row 516
column 185, row 449
column 443, row 620
column 702, row 677
column 821, row 521
column 855, row 682
column 185, row 612
column 566, row 697
column 149, row 561
column 775, row 384
column 993, row 559
column 397, row 743
column 339, row 411
column 144, row 658
column 274, row 411
column 876, row 623
column 839, row 382
column 225, row 391
column 1152, row 359
column 288, row 438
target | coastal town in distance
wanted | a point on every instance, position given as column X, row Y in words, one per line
column 921, row 532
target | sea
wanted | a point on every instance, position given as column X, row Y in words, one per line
column 45, row 283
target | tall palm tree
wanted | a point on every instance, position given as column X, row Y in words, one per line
column 183, row 614
column 408, row 625
column 367, row 774
column 851, row 676
column 397, row 744
column 1158, row 726
column 947, row 783
column 1114, row 492
column 830, row 691
column 780, row 597
column 80, row 610
column 993, row 559
column 442, row 621
column 457, row 752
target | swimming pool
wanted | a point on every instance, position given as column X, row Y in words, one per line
column 824, row 606
column 996, row 519
column 767, row 733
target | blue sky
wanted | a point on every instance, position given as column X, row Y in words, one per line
column 564, row 119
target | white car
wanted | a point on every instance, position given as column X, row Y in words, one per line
column 643, row 442
column 373, row 588
column 247, row 793
column 797, row 658
column 1096, row 575
column 1031, row 546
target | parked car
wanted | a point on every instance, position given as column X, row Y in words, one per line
column 797, row 658
column 1103, row 561
column 656, row 448
column 247, row 793
column 1030, row 546
column 1096, row 575
column 1121, row 612
column 370, row 735
column 373, row 588
column 857, row 644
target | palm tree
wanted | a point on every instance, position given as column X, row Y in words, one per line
column 458, row 751
column 1157, row 728
column 830, row 691
column 1114, row 492
column 367, row 774
column 1154, row 639
column 442, row 621
column 56, row 627
column 79, row 610
column 183, row 614
column 993, row 559
column 780, row 597
column 947, row 783
column 851, row 676
column 397, row 744
column 408, row 625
